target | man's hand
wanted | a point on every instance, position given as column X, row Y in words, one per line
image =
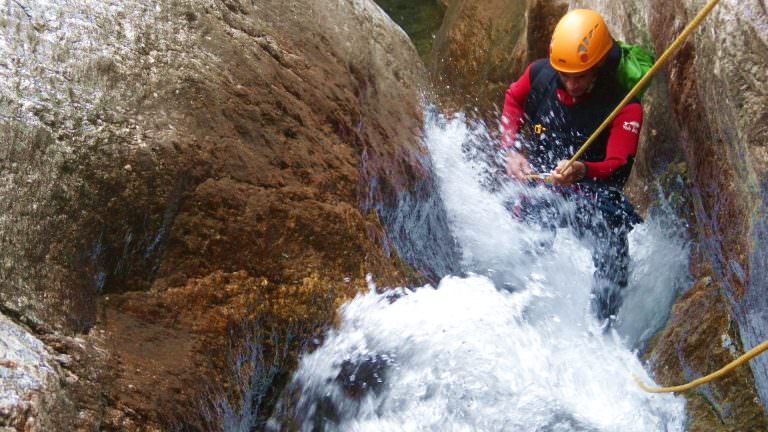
column 517, row 165
column 563, row 176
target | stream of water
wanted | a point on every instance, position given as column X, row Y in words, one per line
column 508, row 345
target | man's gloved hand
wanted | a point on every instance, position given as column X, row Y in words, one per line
column 563, row 176
column 517, row 165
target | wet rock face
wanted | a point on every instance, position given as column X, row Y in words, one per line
column 720, row 109
column 139, row 124
column 482, row 46
column 174, row 171
column 31, row 382
column 688, row 349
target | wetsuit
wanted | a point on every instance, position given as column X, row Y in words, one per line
column 545, row 124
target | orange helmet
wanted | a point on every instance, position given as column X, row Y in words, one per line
column 580, row 40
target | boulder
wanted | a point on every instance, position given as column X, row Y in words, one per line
column 719, row 108
column 193, row 187
column 482, row 46
column 687, row 349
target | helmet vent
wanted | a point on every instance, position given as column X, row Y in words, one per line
column 579, row 41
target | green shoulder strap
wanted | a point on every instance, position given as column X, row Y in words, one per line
column 635, row 62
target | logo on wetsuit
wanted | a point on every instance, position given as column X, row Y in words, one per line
column 632, row 126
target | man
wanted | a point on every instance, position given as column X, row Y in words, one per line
column 549, row 113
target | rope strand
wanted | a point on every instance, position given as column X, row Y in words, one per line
column 705, row 379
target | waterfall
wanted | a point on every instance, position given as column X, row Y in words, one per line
column 510, row 344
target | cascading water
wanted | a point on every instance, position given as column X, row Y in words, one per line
column 510, row 345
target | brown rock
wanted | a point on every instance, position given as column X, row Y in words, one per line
column 483, row 46
column 690, row 348
column 213, row 203
column 716, row 106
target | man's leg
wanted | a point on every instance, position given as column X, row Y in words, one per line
column 611, row 259
column 610, row 255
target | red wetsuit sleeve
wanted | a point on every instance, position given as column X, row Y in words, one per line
column 622, row 142
column 514, row 108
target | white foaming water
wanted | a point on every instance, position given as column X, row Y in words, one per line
column 512, row 346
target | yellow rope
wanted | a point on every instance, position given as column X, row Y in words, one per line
column 544, row 177
column 705, row 379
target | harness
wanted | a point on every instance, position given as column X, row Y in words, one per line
column 553, row 132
